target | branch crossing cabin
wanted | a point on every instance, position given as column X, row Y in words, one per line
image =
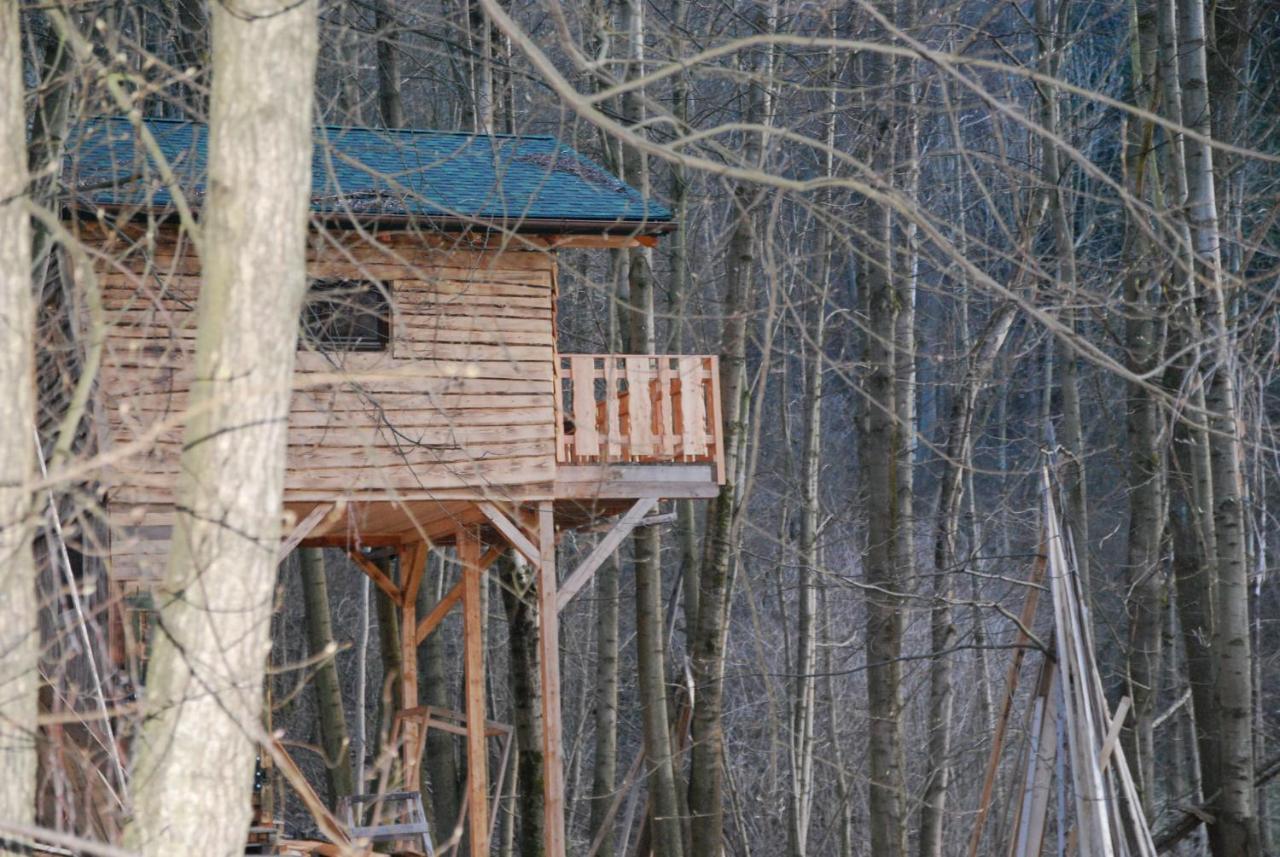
column 431, row 405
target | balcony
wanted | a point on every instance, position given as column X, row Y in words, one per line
column 639, row 410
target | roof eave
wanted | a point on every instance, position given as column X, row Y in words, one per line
column 451, row 223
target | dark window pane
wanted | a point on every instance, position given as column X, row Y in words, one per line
column 346, row 315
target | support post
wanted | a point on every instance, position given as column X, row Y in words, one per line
column 549, row 660
column 413, row 561
column 468, row 542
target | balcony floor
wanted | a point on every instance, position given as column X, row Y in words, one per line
column 583, row 494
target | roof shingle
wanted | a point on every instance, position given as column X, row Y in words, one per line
column 530, row 182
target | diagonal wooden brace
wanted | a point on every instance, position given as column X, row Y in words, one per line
column 607, row 546
column 302, row 530
column 511, row 532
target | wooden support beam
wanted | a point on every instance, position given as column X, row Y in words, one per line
column 441, row 610
column 302, row 530
column 583, row 573
column 379, row 577
column 549, row 664
column 413, row 563
column 511, row 532
column 468, row 544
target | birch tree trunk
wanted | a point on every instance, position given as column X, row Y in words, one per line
column 1235, row 831
column 194, row 764
column 333, row 720
column 19, row 635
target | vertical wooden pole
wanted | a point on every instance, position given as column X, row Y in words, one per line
column 413, row 560
column 473, row 647
column 549, row 660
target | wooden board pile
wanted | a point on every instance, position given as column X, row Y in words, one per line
column 1072, row 762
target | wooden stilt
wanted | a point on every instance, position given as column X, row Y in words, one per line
column 549, row 658
column 413, row 562
column 473, row 645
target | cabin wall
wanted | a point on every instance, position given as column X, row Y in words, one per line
column 460, row 405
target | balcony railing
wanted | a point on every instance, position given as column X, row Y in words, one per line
column 640, row 409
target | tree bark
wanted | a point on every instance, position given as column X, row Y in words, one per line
column 956, row 460
column 526, row 699
column 333, row 720
column 19, row 632
column 194, row 763
column 390, row 104
column 1235, row 831
column 1146, row 474
column 707, row 639
column 441, row 766
column 605, row 771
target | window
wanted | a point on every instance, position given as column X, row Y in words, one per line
column 347, row 315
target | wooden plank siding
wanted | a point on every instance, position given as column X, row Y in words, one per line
column 461, row 405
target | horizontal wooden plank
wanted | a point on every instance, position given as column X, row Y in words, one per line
column 347, row 401
column 144, row 381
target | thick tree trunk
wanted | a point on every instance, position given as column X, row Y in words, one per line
column 526, row 699
column 194, row 762
column 333, row 720
column 19, row 636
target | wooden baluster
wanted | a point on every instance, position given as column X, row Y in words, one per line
column 693, row 413
column 564, row 440
column 664, row 425
column 612, row 422
column 582, row 374
column 640, row 405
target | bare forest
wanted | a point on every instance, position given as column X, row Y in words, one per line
column 984, row 301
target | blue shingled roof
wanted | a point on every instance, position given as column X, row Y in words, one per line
column 373, row 173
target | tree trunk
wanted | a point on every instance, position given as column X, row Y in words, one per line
column 1235, row 831
column 957, row 459
column 526, row 698
column 1146, row 458
column 19, row 632
column 390, row 104
column 441, row 766
column 194, row 763
column 707, row 638
column 333, row 721
column 605, row 772
column 880, row 449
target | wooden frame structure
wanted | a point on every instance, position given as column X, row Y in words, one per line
column 532, row 533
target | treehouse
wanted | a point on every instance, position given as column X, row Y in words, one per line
column 431, row 404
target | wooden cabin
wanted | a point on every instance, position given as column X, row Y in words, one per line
column 431, row 404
